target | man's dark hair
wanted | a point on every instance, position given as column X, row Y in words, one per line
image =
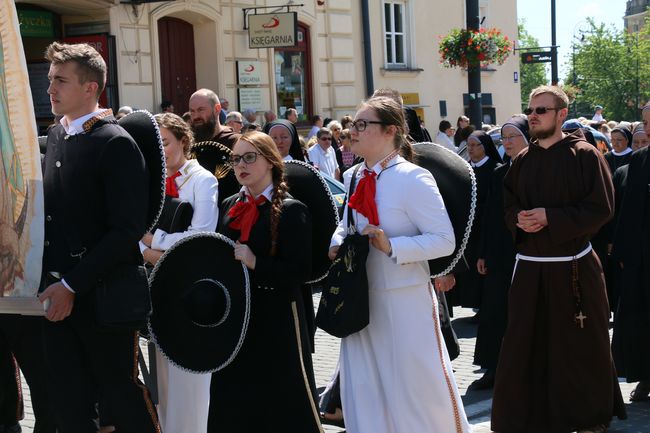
column 323, row 131
column 315, row 118
column 289, row 111
column 444, row 125
column 164, row 105
column 90, row 64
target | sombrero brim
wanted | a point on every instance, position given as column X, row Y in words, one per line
column 457, row 185
column 214, row 157
column 142, row 126
column 307, row 185
column 192, row 347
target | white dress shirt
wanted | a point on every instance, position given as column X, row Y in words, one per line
column 198, row 187
column 77, row 125
column 324, row 160
column 444, row 140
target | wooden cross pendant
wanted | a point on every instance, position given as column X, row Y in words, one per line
column 580, row 318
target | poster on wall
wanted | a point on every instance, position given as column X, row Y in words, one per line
column 251, row 98
column 21, row 184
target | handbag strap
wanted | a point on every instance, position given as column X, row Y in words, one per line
column 353, row 184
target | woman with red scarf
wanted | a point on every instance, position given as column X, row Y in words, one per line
column 395, row 374
column 273, row 240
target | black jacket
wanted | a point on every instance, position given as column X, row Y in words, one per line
column 95, row 188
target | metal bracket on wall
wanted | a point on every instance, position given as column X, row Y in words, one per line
column 289, row 5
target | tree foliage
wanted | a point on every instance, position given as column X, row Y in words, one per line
column 610, row 68
column 531, row 75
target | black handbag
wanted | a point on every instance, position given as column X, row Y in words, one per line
column 122, row 299
column 344, row 304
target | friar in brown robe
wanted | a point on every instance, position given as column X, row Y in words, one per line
column 555, row 371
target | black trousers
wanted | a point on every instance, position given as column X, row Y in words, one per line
column 88, row 363
column 11, row 402
column 22, row 336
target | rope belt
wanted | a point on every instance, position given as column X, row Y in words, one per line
column 579, row 317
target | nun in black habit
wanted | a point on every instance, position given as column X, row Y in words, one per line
column 484, row 158
column 621, row 148
column 496, row 258
column 630, row 345
column 286, row 139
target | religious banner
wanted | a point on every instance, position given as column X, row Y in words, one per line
column 21, row 183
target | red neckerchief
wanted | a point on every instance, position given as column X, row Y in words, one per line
column 245, row 214
column 363, row 198
column 170, row 185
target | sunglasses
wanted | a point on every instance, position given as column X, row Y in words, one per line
column 325, row 138
column 248, row 158
column 538, row 110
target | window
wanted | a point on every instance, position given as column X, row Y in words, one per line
column 395, row 25
column 293, row 85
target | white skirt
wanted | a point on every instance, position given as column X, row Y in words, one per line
column 396, row 376
column 183, row 398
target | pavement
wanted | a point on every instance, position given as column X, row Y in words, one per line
column 477, row 403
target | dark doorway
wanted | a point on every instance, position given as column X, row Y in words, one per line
column 177, row 68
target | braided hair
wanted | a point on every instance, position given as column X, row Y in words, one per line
column 267, row 148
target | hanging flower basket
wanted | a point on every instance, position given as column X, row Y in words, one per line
column 469, row 48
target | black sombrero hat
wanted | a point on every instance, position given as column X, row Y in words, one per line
column 142, row 126
column 307, row 185
column 201, row 303
column 214, row 157
column 457, row 184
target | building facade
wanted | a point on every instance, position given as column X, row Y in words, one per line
column 165, row 50
column 635, row 13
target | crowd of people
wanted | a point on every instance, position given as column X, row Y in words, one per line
column 559, row 243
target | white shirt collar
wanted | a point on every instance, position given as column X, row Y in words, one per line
column 625, row 152
column 288, row 158
column 268, row 192
column 377, row 168
column 77, row 125
column 481, row 162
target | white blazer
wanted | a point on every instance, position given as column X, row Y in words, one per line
column 199, row 187
column 413, row 216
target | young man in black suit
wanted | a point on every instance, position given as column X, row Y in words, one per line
column 95, row 187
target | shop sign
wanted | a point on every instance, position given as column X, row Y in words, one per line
column 272, row 30
column 251, row 98
column 36, row 24
column 249, row 72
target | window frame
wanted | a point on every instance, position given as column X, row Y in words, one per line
column 407, row 49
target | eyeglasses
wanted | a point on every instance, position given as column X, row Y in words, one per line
column 360, row 125
column 248, row 158
column 509, row 137
column 538, row 110
column 325, row 138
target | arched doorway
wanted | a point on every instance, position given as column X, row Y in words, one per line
column 177, row 62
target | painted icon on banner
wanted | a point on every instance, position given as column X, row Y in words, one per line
column 21, row 185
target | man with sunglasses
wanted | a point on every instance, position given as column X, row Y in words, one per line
column 323, row 155
column 555, row 370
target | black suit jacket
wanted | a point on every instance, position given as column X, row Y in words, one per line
column 95, row 187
